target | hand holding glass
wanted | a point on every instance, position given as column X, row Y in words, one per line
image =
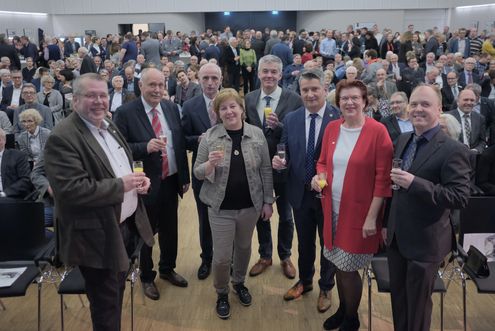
column 281, row 154
column 396, row 164
column 220, row 148
column 163, row 137
column 322, row 182
column 137, row 166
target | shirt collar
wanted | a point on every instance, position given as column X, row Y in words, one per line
column 275, row 95
column 429, row 134
column 320, row 112
column 148, row 107
column 92, row 127
column 36, row 132
column 207, row 100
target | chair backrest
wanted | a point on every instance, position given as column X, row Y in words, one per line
column 22, row 230
column 477, row 217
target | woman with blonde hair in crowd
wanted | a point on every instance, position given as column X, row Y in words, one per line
column 32, row 140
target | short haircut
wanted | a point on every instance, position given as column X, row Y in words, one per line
column 345, row 84
column 28, row 85
column 312, row 74
column 77, row 86
column 116, row 77
column 68, row 74
column 403, row 95
column 452, row 125
column 476, row 88
column 33, row 113
column 271, row 59
column 224, row 95
column 47, row 79
column 434, row 88
column 179, row 71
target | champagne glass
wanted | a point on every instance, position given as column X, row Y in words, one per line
column 220, row 148
column 137, row 166
column 281, row 153
column 322, row 182
column 267, row 111
column 163, row 137
column 396, row 164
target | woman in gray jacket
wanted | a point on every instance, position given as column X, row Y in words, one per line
column 234, row 163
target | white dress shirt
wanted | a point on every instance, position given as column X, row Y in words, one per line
column 318, row 122
column 275, row 98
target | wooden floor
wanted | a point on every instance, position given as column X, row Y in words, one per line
column 192, row 308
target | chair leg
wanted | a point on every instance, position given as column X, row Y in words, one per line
column 62, row 307
column 132, row 305
column 464, row 310
column 369, row 298
column 39, row 306
column 441, row 311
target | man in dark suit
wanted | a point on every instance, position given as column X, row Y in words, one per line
column 473, row 127
column 398, row 122
column 434, row 180
column 450, row 91
column 301, row 156
column 469, row 75
column 98, row 209
column 231, row 59
column 9, row 51
column 11, row 95
column 412, row 76
column 431, row 45
column 212, row 51
column 70, row 46
column 131, row 82
column 281, row 101
column 14, row 171
column 87, row 63
column 143, row 122
column 119, row 95
column 197, row 117
column 170, row 82
column 185, row 89
column 300, row 43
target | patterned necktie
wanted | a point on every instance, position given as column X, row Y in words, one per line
column 455, row 92
column 467, row 128
column 410, row 153
column 470, row 77
column 310, row 150
column 157, row 128
column 267, row 99
column 211, row 114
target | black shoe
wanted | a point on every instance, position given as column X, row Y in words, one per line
column 350, row 324
column 204, row 270
column 150, row 290
column 243, row 294
column 336, row 320
column 174, row 278
column 223, row 306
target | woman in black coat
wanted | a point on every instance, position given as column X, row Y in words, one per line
column 371, row 42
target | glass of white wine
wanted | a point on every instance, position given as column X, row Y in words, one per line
column 220, row 148
column 163, row 137
column 281, row 154
column 396, row 164
column 137, row 166
column 322, row 182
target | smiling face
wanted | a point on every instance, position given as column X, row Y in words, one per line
column 152, row 84
column 466, row 101
column 230, row 112
column 352, row 104
column 29, row 124
column 269, row 75
column 425, row 109
column 313, row 94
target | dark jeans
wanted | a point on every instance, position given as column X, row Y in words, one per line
column 285, row 228
column 248, row 79
column 205, row 240
column 163, row 219
column 105, row 290
column 309, row 221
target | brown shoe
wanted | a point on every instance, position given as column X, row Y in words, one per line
column 288, row 268
column 260, row 266
column 296, row 291
column 324, row 301
column 150, row 290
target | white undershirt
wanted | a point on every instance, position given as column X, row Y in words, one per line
column 345, row 145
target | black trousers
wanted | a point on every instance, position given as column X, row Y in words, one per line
column 163, row 219
column 248, row 79
column 205, row 239
column 234, row 74
column 411, row 286
column 105, row 290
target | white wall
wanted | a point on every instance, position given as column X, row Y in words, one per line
column 18, row 22
column 103, row 24
column 468, row 17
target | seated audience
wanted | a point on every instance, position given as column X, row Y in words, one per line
column 398, row 122
column 51, row 98
column 28, row 71
column 28, row 93
column 32, row 140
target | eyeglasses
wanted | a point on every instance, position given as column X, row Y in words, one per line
column 28, row 93
column 354, row 98
column 396, row 102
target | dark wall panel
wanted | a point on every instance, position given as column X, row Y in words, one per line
column 252, row 20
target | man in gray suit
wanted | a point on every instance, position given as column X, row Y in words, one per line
column 473, row 128
column 28, row 93
column 89, row 167
column 434, row 180
column 150, row 48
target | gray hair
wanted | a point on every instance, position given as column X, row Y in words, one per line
column 270, row 59
column 273, row 34
column 47, row 79
column 33, row 113
column 403, row 95
column 312, row 74
column 452, row 125
column 83, row 50
column 78, row 87
column 4, row 72
column 476, row 88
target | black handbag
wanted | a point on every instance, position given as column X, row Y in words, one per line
column 477, row 263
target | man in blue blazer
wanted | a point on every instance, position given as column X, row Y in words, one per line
column 301, row 167
column 142, row 122
column 197, row 117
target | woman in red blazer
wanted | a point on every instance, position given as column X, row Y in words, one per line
column 356, row 157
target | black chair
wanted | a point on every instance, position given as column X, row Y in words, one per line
column 73, row 283
column 23, row 244
column 477, row 217
column 380, row 272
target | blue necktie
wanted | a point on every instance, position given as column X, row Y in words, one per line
column 310, row 150
column 267, row 99
column 410, row 153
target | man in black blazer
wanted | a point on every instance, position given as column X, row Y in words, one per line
column 450, row 91
column 281, row 101
column 170, row 82
column 70, row 46
column 11, row 95
column 473, row 127
column 97, row 205
column 469, row 74
column 14, row 171
column 231, row 59
column 197, row 117
column 398, row 122
column 434, row 180
column 87, row 63
column 142, row 122
column 131, row 82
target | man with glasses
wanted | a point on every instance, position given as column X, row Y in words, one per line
column 28, row 93
column 450, row 91
column 469, row 75
column 11, row 95
column 399, row 121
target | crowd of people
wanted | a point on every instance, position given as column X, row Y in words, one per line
column 314, row 129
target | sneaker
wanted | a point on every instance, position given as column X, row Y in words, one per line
column 243, row 294
column 223, row 306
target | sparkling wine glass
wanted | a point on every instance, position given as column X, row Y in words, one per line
column 396, row 164
column 322, row 182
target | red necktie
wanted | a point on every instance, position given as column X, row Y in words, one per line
column 157, row 128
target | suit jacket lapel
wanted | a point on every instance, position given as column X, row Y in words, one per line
column 168, row 116
column 401, row 145
column 282, row 103
column 327, row 117
column 455, row 113
column 425, row 153
column 475, row 128
column 395, row 124
column 253, row 109
column 92, row 143
column 143, row 118
column 204, row 117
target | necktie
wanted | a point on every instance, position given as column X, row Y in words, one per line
column 470, row 77
column 45, row 102
column 157, row 128
column 267, row 99
column 455, row 92
column 211, row 114
column 467, row 128
column 410, row 153
column 310, row 150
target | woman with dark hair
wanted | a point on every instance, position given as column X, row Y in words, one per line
column 370, row 42
column 355, row 48
column 388, row 46
column 66, row 77
column 405, row 46
column 355, row 164
column 417, row 45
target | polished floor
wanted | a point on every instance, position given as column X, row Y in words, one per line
column 192, row 308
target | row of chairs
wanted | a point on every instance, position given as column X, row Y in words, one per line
column 23, row 244
column 477, row 217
